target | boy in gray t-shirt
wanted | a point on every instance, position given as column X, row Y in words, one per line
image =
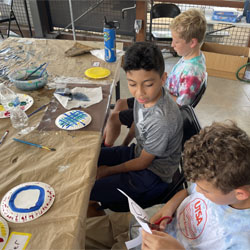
column 142, row 171
column 154, row 130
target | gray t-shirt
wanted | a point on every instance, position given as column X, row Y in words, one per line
column 159, row 130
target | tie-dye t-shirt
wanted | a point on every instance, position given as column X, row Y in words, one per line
column 185, row 79
column 202, row 224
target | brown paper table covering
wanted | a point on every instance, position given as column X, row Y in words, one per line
column 97, row 111
column 70, row 170
column 52, row 52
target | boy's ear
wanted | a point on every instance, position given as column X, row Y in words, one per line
column 194, row 42
column 242, row 193
column 164, row 78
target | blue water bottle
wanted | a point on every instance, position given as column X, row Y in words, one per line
column 109, row 32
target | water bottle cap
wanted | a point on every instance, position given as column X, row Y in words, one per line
column 111, row 24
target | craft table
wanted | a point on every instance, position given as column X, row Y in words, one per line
column 71, row 169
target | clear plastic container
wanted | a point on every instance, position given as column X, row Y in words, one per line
column 11, row 103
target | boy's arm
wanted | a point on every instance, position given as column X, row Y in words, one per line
column 130, row 136
column 140, row 163
column 169, row 208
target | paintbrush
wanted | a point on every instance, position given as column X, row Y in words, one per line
column 43, row 70
column 34, row 71
column 43, row 106
column 33, row 144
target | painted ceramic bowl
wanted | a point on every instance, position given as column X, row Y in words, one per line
column 34, row 82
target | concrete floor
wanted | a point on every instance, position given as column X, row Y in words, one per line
column 223, row 100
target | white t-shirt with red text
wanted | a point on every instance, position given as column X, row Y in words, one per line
column 202, row 224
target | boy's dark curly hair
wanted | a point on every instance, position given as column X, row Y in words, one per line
column 144, row 55
column 219, row 154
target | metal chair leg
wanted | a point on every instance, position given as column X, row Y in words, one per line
column 19, row 27
column 17, row 24
column 8, row 33
column 13, row 17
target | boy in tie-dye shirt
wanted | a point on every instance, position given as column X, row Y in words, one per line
column 185, row 79
column 188, row 31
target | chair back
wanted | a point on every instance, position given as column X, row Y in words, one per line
column 165, row 10
column 201, row 92
column 162, row 10
column 191, row 127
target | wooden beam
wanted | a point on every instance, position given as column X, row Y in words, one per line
column 141, row 13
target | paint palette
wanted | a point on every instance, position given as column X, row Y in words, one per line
column 4, row 232
column 97, row 72
column 27, row 202
column 26, row 102
column 72, row 120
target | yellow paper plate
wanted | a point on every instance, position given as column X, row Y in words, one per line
column 97, row 72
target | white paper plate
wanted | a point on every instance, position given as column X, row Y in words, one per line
column 25, row 100
column 27, row 202
column 72, row 120
column 4, row 232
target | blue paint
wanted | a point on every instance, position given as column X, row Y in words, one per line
column 74, row 118
column 80, row 97
column 39, row 202
column 73, row 96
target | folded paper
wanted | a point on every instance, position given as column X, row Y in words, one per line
column 78, row 49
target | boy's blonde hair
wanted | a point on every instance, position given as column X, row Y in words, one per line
column 190, row 24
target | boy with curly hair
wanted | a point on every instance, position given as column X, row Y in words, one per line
column 214, row 213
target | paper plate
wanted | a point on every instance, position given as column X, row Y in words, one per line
column 4, row 232
column 97, row 72
column 27, row 202
column 26, row 102
column 72, row 120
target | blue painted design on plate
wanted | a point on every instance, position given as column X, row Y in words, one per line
column 72, row 119
column 39, row 202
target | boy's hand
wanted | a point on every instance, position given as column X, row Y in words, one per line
column 102, row 171
column 169, row 208
column 159, row 240
column 164, row 211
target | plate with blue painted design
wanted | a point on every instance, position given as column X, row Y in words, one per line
column 73, row 120
column 27, row 202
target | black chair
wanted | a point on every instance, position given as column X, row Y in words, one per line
column 201, row 92
column 11, row 17
column 167, row 10
column 191, row 126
